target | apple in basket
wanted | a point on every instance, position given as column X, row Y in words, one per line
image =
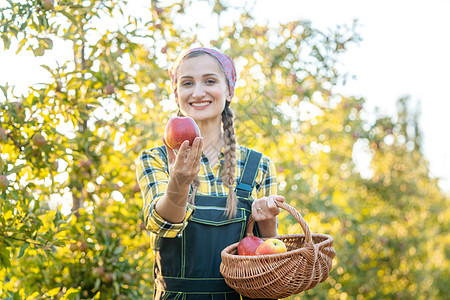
column 248, row 245
column 271, row 246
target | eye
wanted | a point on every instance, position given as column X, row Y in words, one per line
column 186, row 83
column 210, row 81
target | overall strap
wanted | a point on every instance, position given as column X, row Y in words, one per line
column 247, row 181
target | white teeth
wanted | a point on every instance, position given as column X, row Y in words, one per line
column 199, row 104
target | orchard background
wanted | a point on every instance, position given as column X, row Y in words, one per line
column 75, row 141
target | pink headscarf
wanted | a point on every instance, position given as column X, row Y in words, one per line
column 225, row 61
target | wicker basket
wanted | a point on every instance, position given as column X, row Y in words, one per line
column 307, row 263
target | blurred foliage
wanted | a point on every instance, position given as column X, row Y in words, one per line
column 74, row 142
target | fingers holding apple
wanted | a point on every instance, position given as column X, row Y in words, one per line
column 179, row 130
column 195, row 154
column 171, row 156
column 189, row 156
column 182, row 134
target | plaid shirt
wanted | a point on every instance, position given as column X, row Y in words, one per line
column 153, row 176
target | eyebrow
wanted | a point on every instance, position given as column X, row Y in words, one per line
column 204, row 75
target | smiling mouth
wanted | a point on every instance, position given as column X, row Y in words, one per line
column 200, row 104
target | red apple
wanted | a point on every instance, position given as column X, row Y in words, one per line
column 17, row 106
column 48, row 4
column 109, row 89
column 73, row 247
column 4, row 182
column 39, row 140
column 58, row 86
column 18, row 110
column 3, row 135
column 98, row 272
column 248, row 245
column 127, row 278
column 271, row 246
column 107, row 278
column 85, row 163
column 55, row 165
column 180, row 129
column 83, row 246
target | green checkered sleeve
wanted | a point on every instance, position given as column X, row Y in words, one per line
column 153, row 176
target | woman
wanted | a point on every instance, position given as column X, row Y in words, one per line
column 197, row 201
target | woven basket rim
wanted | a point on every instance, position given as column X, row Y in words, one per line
column 226, row 251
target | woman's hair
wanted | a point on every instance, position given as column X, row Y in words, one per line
column 230, row 144
column 229, row 165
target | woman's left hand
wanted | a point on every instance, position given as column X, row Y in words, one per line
column 265, row 208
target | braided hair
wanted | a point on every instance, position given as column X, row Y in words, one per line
column 229, row 166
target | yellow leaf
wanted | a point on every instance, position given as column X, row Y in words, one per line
column 33, row 296
column 8, row 215
column 53, row 292
column 73, row 220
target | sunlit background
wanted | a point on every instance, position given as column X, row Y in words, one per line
column 403, row 52
column 71, row 218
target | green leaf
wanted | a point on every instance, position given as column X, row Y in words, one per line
column 21, row 44
column 39, row 51
column 15, row 194
column 22, row 250
column 16, row 169
column 4, row 90
column 46, row 43
column 69, row 16
column 14, row 30
column 6, row 42
column 116, row 287
column 47, row 68
column 98, row 282
column 5, row 258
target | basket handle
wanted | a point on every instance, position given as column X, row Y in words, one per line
column 293, row 212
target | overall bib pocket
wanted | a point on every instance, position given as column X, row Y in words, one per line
column 207, row 234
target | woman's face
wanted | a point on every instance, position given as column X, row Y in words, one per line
column 201, row 88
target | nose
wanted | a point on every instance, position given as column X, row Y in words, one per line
column 199, row 92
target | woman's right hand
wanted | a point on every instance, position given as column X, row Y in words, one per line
column 182, row 170
column 184, row 167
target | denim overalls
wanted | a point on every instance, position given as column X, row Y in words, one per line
column 187, row 267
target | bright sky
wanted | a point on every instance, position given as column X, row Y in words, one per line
column 405, row 51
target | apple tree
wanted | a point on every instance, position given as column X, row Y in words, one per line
column 381, row 220
column 72, row 142
column 70, row 222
